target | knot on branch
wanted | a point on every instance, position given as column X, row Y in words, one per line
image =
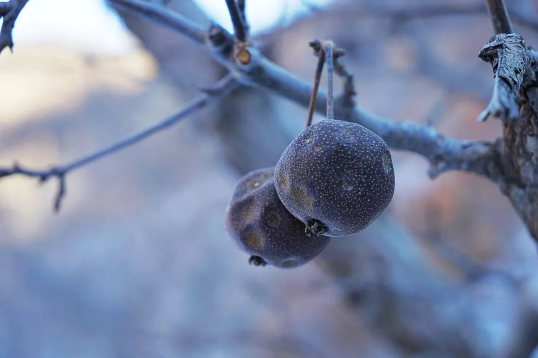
column 508, row 55
column 220, row 43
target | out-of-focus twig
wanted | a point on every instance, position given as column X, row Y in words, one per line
column 241, row 6
column 428, row 11
column 237, row 15
column 10, row 12
column 60, row 172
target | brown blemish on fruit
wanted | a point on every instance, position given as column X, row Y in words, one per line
column 253, row 241
column 283, row 179
column 298, row 193
column 347, row 131
column 288, row 263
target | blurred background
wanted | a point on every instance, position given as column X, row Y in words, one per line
column 138, row 263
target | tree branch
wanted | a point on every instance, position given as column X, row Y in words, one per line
column 10, row 12
column 499, row 17
column 241, row 6
column 222, row 87
column 240, row 31
column 4, row 8
column 328, row 48
column 444, row 153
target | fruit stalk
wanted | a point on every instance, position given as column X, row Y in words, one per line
column 328, row 49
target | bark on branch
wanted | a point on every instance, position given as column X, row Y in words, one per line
column 509, row 162
column 515, row 103
column 444, row 153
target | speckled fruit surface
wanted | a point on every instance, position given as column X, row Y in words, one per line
column 337, row 176
column 258, row 221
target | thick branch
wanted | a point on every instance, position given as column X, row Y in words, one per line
column 222, row 87
column 444, row 153
column 10, row 13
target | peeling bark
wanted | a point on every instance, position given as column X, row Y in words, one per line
column 515, row 103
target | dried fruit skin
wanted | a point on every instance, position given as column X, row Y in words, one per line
column 336, row 173
column 261, row 225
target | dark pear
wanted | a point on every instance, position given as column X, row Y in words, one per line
column 336, row 177
column 261, row 225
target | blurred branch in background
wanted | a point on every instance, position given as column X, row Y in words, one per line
column 403, row 13
column 238, row 19
column 222, row 87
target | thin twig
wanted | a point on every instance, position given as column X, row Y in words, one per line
column 316, row 45
column 241, row 5
column 10, row 14
column 237, row 21
column 222, row 87
column 345, row 100
column 341, row 70
column 328, row 48
column 499, row 17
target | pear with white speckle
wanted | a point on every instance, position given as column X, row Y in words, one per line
column 262, row 227
column 336, row 177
